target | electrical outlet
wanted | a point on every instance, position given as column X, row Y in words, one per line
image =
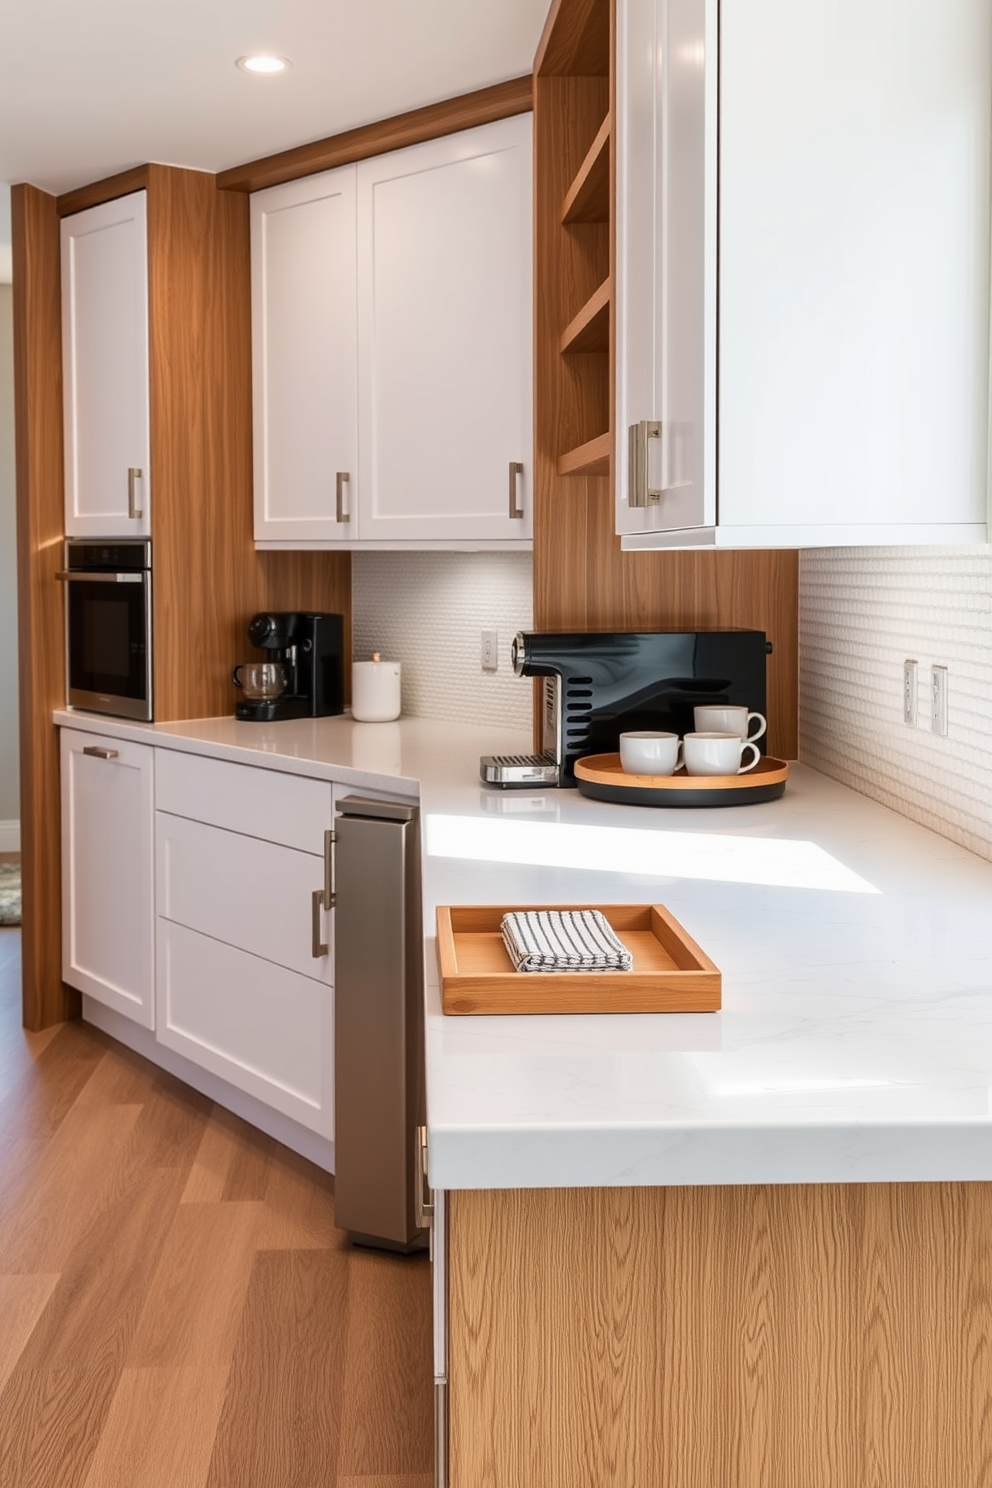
column 909, row 692
column 938, row 699
column 490, row 651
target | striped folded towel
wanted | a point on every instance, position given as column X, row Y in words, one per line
column 563, row 940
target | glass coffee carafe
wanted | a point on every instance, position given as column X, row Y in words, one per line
column 260, row 679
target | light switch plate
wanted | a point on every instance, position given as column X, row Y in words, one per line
column 489, row 655
column 909, row 692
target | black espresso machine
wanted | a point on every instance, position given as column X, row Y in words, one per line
column 309, row 646
column 600, row 684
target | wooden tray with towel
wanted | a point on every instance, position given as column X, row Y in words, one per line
column 670, row 973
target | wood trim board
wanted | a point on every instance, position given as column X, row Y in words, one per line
column 484, row 106
column 98, row 192
column 41, row 639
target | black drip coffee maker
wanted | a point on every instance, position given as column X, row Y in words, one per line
column 303, row 672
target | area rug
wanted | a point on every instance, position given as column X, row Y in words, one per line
column 10, row 893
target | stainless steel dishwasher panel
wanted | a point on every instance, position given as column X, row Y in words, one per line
column 378, row 1021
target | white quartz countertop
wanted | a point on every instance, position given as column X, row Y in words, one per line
column 855, row 1039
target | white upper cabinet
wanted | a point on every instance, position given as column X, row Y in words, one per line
column 445, row 337
column 392, row 348
column 803, row 312
column 305, row 357
column 105, row 369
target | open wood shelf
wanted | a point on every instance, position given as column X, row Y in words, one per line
column 576, row 40
column 575, row 139
column 588, row 198
column 590, row 329
column 591, row 458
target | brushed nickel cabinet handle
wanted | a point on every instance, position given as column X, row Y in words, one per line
column 95, row 752
column 318, row 947
column 330, row 897
column 133, row 476
column 639, row 492
column 423, row 1209
column 516, row 471
column 343, row 479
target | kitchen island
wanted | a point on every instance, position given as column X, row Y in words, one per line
column 749, row 1249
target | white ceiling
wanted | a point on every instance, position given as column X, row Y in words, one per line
column 90, row 87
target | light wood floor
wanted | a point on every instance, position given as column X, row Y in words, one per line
column 177, row 1309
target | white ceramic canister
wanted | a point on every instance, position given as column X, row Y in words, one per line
column 375, row 690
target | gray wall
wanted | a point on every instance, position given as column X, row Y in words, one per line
column 9, row 787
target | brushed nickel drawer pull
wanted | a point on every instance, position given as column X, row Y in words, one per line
column 318, row 947
column 95, row 752
column 330, row 896
column 516, row 471
column 423, row 1208
column 639, row 492
column 343, row 479
column 133, row 476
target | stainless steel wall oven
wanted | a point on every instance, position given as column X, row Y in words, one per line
column 108, row 626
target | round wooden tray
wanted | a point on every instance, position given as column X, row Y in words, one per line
column 602, row 777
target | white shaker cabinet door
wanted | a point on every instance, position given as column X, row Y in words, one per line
column 854, row 269
column 108, row 904
column 445, row 338
column 666, row 264
column 105, row 369
column 304, row 359
column 841, row 396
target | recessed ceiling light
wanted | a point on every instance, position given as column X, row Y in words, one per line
column 264, row 64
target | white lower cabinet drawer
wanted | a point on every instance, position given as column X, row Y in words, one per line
column 257, row 896
column 269, row 804
column 264, row 1029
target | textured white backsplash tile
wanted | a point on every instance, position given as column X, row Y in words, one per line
column 427, row 610
column 862, row 612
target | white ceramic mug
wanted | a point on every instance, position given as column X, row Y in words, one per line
column 645, row 752
column 718, row 754
column 728, row 718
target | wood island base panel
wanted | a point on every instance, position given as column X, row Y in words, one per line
column 827, row 1336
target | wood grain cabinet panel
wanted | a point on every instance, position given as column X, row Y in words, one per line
column 784, row 1336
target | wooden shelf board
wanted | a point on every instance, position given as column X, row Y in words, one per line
column 590, row 329
column 576, row 40
column 588, row 198
column 591, row 458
